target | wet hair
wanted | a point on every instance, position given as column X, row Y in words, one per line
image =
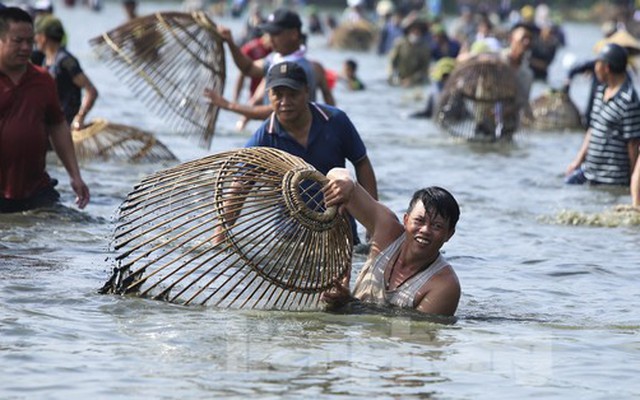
column 437, row 201
column 352, row 64
column 13, row 14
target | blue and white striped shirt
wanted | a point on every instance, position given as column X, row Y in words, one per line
column 613, row 124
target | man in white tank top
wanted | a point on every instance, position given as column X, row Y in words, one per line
column 404, row 267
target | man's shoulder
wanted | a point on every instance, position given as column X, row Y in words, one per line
column 262, row 136
column 261, row 131
column 445, row 275
column 36, row 73
column 629, row 93
column 328, row 112
column 33, row 69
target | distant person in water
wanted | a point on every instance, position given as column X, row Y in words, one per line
column 409, row 58
column 405, row 267
column 349, row 73
column 439, row 75
column 76, row 92
column 609, row 150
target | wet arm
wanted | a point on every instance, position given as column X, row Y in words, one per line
column 343, row 191
column 635, row 184
column 63, row 146
column 245, row 64
column 237, row 88
column 90, row 94
column 586, row 66
column 249, row 111
column 367, row 179
column 582, row 153
column 634, row 162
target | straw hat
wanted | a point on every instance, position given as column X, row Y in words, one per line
column 621, row 38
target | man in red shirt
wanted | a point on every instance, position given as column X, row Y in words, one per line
column 30, row 115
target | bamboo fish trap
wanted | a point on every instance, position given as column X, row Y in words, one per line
column 108, row 141
column 241, row 229
column 358, row 36
column 478, row 101
column 554, row 111
column 167, row 59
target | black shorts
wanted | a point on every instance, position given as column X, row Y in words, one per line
column 44, row 198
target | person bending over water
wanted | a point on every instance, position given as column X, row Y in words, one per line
column 405, row 267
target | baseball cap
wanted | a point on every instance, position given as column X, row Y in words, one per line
column 287, row 74
column 280, row 20
column 614, row 55
column 50, row 26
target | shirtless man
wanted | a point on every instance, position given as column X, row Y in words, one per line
column 404, row 267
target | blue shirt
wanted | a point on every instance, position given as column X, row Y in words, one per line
column 332, row 139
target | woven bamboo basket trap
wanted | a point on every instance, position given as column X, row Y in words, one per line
column 478, row 101
column 358, row 36
column 167, row 59
column 240, row 229
column 104, row 140
column 554, row 111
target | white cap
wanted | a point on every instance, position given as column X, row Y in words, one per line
column 43, row 5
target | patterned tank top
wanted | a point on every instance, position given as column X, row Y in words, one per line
column 371, row 286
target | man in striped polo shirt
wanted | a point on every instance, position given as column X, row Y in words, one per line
column 610, row 147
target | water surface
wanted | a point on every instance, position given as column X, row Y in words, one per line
column 547, row 310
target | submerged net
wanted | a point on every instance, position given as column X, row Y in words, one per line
column 478, row 101
column 167, row 59
column 554, row 111
column 108, row 141
column 243, row 229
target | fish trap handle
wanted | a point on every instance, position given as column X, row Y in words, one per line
column 291, row 190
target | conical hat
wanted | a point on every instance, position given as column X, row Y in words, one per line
column 622, row 38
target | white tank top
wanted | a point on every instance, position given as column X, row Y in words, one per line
column 371, row 287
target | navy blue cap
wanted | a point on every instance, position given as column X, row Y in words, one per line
column 614, row 55
column 287, row 74
column 280, row 20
